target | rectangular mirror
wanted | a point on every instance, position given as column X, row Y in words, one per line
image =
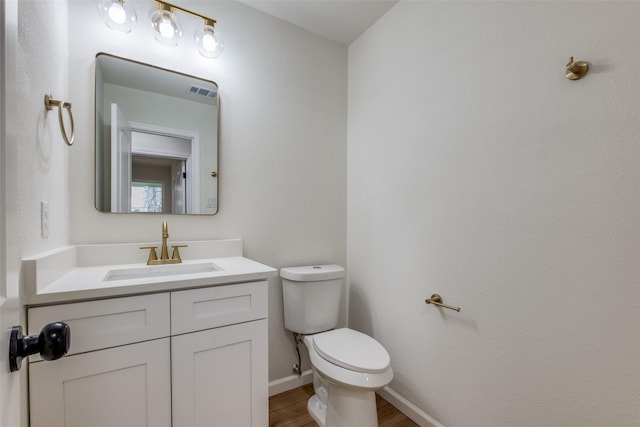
column 156, row 139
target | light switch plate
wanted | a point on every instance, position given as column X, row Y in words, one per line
column 44, row 219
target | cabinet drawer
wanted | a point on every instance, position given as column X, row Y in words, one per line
column 107, row 323
column 205, row 308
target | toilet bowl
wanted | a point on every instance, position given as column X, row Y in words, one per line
column 348, row 366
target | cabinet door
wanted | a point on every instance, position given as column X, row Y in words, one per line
column 128, row 386
column 219, row 377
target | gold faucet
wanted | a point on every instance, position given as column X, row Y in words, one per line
column 164, row 252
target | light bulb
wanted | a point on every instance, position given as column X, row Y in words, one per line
column 167, row 28
column 117, row 15
column 209, row 42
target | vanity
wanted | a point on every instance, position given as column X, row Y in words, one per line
column 168, row 345
column 152, row 343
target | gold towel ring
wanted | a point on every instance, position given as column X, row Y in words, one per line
column 49, row 103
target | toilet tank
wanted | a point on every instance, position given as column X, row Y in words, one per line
column 311, row 297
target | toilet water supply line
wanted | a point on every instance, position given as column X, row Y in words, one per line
column 297, row 367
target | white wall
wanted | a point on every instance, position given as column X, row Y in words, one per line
column 36, row 168
column 478, row 171
column 42, row 153
column 282, row 150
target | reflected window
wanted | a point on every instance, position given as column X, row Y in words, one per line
column 146, row 197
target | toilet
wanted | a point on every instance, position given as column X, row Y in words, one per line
column 348, row 366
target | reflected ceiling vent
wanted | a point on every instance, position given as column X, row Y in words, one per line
column 202, row 91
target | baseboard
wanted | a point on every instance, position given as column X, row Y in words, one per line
column 289, row 383
column 416, row 414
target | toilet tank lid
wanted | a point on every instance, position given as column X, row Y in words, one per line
column 312, row 272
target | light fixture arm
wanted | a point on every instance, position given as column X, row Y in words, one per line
column 206, row 19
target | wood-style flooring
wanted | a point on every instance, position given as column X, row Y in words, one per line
column 289, row 409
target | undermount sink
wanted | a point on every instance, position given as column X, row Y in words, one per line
column 148, row 271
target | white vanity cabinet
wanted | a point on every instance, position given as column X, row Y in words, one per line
column 195, row 357
column 219, row 374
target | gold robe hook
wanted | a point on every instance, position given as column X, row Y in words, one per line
column 576, row 70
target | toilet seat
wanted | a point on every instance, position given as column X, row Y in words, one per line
column 335, row 373
column 352, row 350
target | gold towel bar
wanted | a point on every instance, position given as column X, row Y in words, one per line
column 437, row 300
column 49, row 103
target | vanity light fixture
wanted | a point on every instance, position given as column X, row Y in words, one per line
column 120, row 15
column 168, row 29
column 117, row 15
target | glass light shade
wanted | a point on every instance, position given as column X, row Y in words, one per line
column 209, row 41
column 167, row 28
column 117, row 15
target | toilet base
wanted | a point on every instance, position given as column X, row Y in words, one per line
column 346, row 408
column 317, row 410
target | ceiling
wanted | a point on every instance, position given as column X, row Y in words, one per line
column 339, row 20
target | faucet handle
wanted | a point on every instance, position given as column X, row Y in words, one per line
column 152, row 253
column 176, row 252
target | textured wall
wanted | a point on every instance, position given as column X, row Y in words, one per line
column 38, row 162
column 478, row 171
column 42, row 153
column 283, row 141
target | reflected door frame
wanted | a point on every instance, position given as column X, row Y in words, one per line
column 192, row 161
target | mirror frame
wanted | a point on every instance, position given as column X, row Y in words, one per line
column 214, row 174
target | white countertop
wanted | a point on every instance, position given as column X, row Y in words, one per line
column 88, row 282
column 75, row 282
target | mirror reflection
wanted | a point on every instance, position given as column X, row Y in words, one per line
column 156, row 139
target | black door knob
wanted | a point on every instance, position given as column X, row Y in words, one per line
column 52, row 343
